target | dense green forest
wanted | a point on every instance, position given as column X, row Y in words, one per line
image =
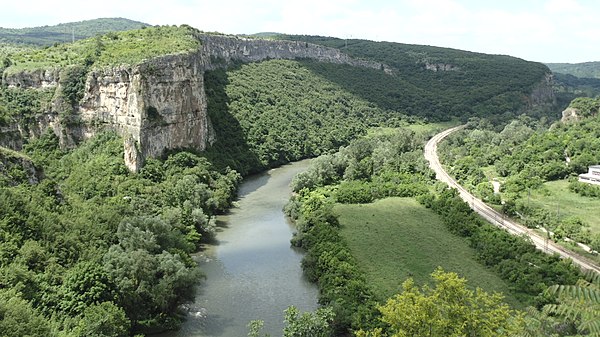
column 66, row 32
column 277, row 111
column 458, row 83
column 94, row 250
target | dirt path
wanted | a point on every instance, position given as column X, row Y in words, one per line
column 492, row 215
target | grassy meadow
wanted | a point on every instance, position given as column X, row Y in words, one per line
column 397, row 238
column 558, row 199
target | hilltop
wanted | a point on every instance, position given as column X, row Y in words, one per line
column 581, row 70
column 66, row 32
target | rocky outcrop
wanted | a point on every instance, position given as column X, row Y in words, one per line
column 542, row 93
column 440, row 67
column 40, row 78
column 16, row 168
column 156, row 106
column 570, row 115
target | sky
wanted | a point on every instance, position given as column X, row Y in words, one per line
column 535, row 30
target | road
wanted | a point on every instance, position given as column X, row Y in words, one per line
column 491, row 215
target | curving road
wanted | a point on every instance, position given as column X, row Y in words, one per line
column 492, row 215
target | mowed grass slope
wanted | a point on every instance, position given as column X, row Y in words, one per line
column 561, row 201
column 397, row 238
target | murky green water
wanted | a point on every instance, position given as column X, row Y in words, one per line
column 251, row 272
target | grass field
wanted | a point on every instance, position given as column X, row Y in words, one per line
column 560, row 200
column 397, row 238
column 419, row 128
column 430, row 128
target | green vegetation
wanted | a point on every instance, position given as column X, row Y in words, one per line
column 277, row 111
column 65, row 32
column 307, row 324
column 340, row 249
column 394, row 225
column 94, row 250
column 567, row 87
column 557, row 199
column 476, row 85
column 114, row 48
column 448, row 309
column 586, row 106
column 579, row 303
column 16, row 168
column 18, row 104
column 582, row 70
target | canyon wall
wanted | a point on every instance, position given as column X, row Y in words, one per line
column 160, row 104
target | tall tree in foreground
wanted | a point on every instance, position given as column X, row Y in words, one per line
column 578, row 304
column 447, row 309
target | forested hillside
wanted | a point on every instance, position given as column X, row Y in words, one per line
column 582, row 70
column 277, row 111
column 114, row 48
column 441, row 83
column 66, row 32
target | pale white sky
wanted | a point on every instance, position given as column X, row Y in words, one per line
column 536, row 30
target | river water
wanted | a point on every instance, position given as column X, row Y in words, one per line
column 251, row 270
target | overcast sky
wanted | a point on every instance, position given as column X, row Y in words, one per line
column 536, row 30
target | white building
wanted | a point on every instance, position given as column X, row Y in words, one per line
column 592, row 177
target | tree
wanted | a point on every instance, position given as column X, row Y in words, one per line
column 579, row 303
column 151, row 281
column 448, row 309
column 18, row 318
column 103, row 320
column 309, row 324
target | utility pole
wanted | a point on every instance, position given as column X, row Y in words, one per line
column 73, row 34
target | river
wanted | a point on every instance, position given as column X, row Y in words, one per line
column 251, row 270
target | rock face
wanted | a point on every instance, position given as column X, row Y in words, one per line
column 570, row 115
column 41, row 78
column 17, row 169
column 219, row 49
column 156, row 106
column 542, row 93
column 440, row 67
column 160, row 104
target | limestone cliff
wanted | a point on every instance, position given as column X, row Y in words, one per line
column 157, row 105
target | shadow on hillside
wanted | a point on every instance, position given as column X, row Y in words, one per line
column 391, row 93
column 230, row 148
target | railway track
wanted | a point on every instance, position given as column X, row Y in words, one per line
column 491, row 215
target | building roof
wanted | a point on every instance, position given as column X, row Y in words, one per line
column 595, row 166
